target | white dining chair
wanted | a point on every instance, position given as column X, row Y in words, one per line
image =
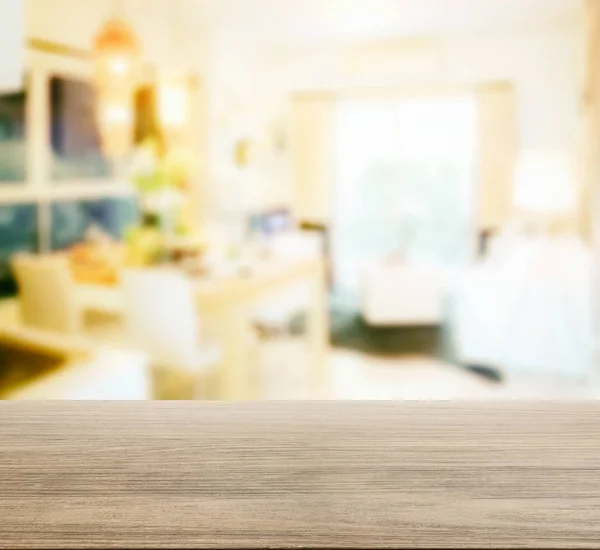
column 161, row 318
column 46, row 297
column 274, row 317
column 50, row 300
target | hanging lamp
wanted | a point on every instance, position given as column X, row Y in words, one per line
column 117, row 69
column 117, row 54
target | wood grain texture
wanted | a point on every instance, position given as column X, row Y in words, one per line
column 167, row 475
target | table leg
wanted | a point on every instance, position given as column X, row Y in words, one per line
column 318, row 331
column 235, row 370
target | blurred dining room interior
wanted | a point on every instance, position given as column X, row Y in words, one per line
column 249, row 199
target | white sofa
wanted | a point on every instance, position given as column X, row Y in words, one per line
column 396, row 294
column 527, row 309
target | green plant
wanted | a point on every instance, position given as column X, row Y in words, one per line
column 152, row 172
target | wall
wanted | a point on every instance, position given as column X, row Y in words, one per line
column 245, row 105
column 248, row 91
column 543, row 64
column 76, row 22
column 12, row 25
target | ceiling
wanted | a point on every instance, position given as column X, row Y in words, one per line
column 279, row 25
column 294, row 22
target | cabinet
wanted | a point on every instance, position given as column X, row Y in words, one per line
column 12, row 31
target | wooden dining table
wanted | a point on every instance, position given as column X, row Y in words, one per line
column 229, row 300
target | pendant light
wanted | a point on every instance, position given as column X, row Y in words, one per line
column 117, row 69
column 117, row 53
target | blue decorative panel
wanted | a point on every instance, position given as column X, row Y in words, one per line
column 18, row 233
column 13, row 145
column 72, row 219
column 75, row 136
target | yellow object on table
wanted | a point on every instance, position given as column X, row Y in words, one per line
column 96, row 263
column 144, row 246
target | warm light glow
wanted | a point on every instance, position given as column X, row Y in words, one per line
column 117, row 57
column 116, row 125
column 545, row 182
column 173, row 104
column 118, row 65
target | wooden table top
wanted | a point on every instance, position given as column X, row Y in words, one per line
column 214, row 292
column 310, row 475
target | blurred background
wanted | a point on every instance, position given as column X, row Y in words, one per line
column 260, row 199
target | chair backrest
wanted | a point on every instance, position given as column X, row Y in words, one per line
column 47, row 295
column 161, row 316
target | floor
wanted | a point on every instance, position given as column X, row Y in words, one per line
column 358, row 376
column 282, row 374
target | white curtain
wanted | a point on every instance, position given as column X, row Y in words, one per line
column 497, row 151
column 313, row 144
column 313, row 141
column 335, row 139
column 405, row 181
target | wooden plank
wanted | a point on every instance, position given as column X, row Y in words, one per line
column 312, row 475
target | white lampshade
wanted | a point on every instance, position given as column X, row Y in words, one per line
column 545, row 183
column 174, row 105
column 173, row 102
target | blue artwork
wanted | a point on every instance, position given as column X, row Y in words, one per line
column 18, row 233
column 13, row 150
column 72, row 219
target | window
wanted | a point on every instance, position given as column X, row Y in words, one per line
column 404, row 182
column 13, row 134
column 18, row 233
column 77, row 169
column 74, row 135
column 70, row 220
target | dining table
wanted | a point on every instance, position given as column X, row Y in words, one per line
column 229, row 299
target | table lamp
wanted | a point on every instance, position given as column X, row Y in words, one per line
column 544, row 186
column 543, row 282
